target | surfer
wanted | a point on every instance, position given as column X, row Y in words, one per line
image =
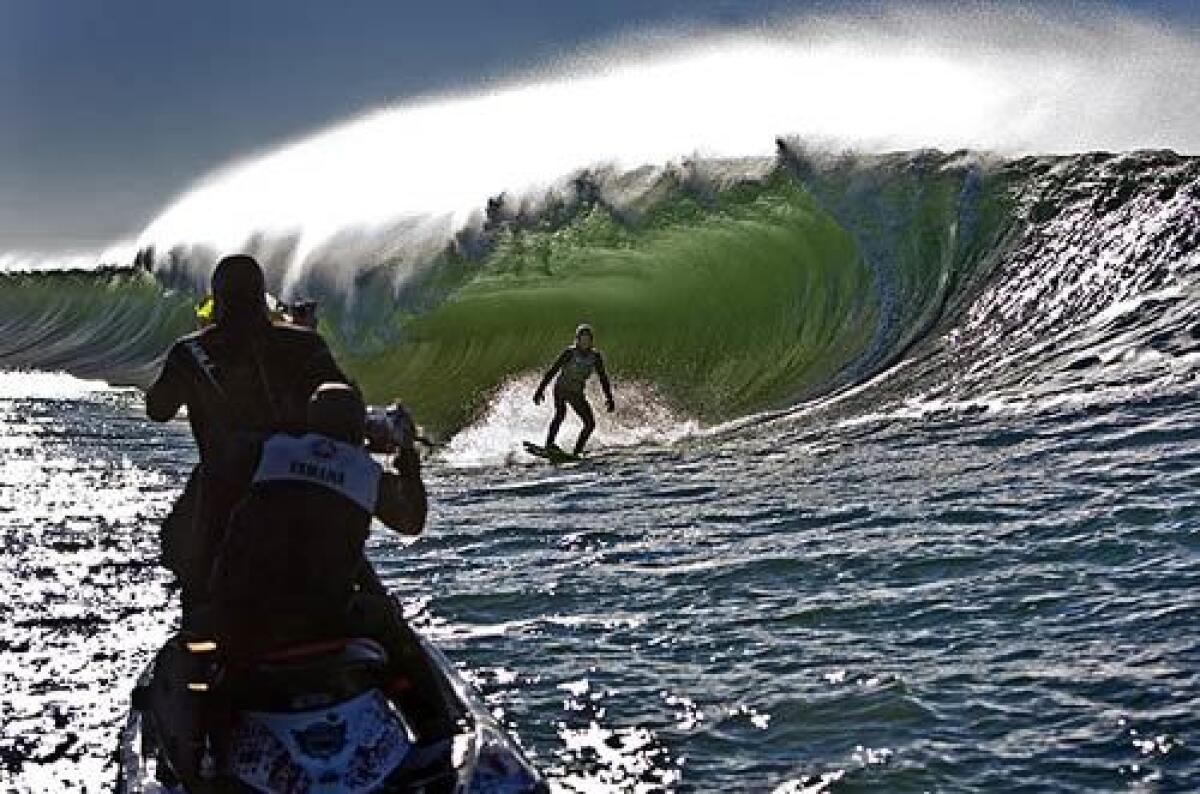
column 240, row 374
column 573, row 367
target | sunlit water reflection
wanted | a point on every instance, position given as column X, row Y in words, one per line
column 955, row 601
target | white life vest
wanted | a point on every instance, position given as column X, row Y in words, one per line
column 342, row 468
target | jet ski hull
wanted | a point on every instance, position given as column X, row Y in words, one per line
column 356, row 745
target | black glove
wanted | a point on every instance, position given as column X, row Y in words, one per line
column 404, row 430
column 538, row 396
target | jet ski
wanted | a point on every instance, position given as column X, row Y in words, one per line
column 320, row 719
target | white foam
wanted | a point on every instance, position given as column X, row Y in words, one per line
column 119, row 253
column 643, row 418
column 20, row 384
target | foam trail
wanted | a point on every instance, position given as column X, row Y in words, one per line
column 26, row 385
column 1012, row 81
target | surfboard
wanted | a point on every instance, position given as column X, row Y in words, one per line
column 552, row 455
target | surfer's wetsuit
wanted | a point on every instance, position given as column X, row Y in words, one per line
column 252, row 378
column 573, row 367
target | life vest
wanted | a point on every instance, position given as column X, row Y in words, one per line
column 345, row 469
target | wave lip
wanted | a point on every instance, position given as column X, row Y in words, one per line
column 411, row 177
column 112, row 256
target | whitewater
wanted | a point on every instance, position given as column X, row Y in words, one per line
column 901, row 490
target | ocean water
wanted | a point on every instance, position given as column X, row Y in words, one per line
column 936, row 602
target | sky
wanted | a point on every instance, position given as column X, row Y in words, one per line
column 111, row 109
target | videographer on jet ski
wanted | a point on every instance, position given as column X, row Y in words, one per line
column 292, row 569
column 242, row 374
column 290, row 573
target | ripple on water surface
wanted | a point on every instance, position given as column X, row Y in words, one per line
column 82, row 488
column 910, row 607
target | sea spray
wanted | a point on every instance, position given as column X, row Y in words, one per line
column 413, row 176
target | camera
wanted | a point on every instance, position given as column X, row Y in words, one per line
column 390, row 429
column 302, row 313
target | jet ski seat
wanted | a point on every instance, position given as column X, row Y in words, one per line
column 311, row 675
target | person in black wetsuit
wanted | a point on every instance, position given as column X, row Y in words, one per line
column 292, row 569
column 291, row 572
column 242, row 374
column 573, row 367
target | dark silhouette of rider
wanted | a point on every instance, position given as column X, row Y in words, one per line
column 243, row 374
column 292, row 569
column 290, row 578
column 574, row 366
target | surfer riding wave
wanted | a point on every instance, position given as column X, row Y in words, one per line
column 574, row 366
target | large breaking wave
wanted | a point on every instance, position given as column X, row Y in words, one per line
column 738, row 287
column 455, row 242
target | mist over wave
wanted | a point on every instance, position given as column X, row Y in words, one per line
column 118, row 254
column 395, row 185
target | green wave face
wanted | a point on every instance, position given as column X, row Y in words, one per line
column 108, row 324
column 761, row 295
column 725, row 309
column 726, row 300
column 930, row 226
